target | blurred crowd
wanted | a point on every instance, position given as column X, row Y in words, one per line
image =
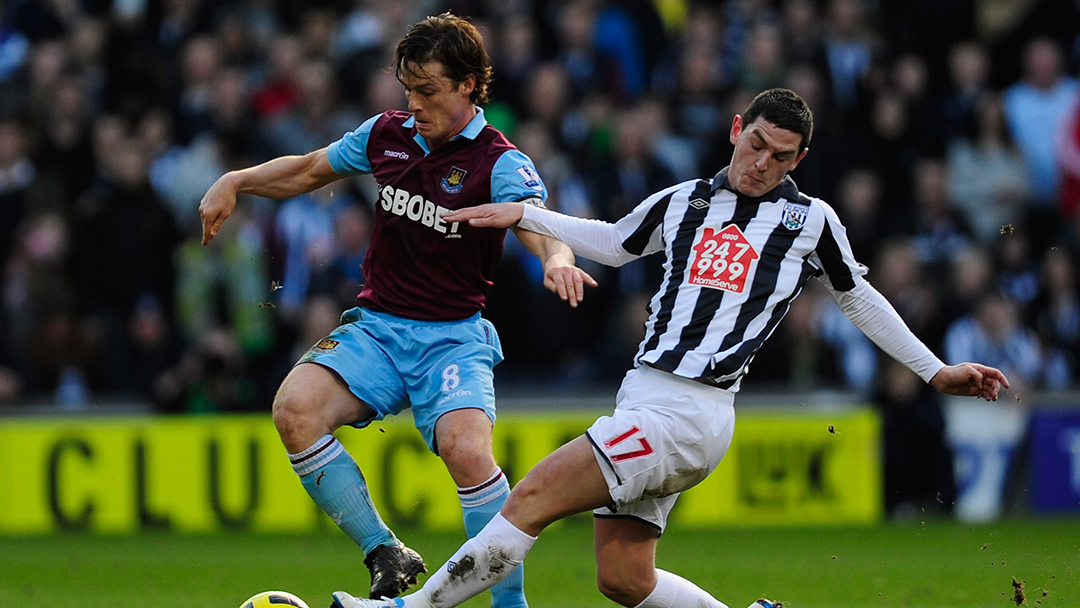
column 947, row 138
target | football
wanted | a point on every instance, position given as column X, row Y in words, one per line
column 273, row 599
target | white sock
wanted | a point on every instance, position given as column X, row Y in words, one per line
column 478, row 565
column 674, row 591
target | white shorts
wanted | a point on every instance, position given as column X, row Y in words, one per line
column 667, row 434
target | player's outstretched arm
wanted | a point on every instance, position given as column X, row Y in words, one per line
column 970, row 380
column 490, row 215
column 560, row 274
column 282, row 177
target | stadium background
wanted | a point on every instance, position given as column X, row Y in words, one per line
column 137, row 367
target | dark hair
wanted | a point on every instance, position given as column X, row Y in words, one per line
column 785, row 109
column 451, row 41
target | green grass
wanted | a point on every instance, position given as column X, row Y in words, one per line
column 931, row 565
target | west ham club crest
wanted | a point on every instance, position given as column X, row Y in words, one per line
column 452, row 182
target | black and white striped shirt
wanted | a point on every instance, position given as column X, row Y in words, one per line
column 734, row 265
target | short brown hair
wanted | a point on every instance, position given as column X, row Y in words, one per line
column 451, row 41
column 785, row 109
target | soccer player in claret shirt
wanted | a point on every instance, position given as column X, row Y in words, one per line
column 739, row 248
column 417, row 338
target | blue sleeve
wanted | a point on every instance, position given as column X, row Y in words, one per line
column 348, row 155
column 514, row 178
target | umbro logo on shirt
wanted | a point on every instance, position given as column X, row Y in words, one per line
column 699, row 203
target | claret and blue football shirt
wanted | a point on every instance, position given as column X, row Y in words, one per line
column 419, row 266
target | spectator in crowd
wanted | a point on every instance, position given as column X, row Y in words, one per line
column 1037, row 110
column 86, row 41
column 515, row 58
column 889, row 147
column 122, row 243
column 628, row 38
column 64, row 156
column 228, row 285
column 971, row 274
column 697, row 102
column 901, row 274
column 993, row 332
column 911, row 78
column 17, row 173
column 850, row 46
column 1017, row 266
column 280, row 86
column 316, row 117
column 969, row 75
column 1068, row 154
column 763, row 64
column 859, row 207
column 304, row 230
column 343, row 274
column 987, row 179
column 209, row 378
column 918, row 462
column 14, row 48
column 1055, row 315
column 802, row 32
column 574, row 25
column 739, row 18
column 940, row 230
column 39, row 308
column 200, row 64
column 548, row 101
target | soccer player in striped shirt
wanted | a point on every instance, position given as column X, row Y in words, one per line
column 739, row 248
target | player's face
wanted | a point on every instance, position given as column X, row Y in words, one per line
column 764, row 153
column 442, row 107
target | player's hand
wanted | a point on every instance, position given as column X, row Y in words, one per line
column 490, row 215
column 216, row 207
column 970, row 380
column 567, row 280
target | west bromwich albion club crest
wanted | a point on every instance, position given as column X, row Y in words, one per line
column 452, row 182
column 794, row 216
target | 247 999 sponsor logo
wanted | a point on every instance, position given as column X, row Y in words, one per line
column 722, row 259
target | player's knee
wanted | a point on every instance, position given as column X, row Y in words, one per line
column 527, row 493
column 620, row 587
column 527, row 506
column 294, row 421
column 467, row 457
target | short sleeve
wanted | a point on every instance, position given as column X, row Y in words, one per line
column 514, row 178
column 348, row 155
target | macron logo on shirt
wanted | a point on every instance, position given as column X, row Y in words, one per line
column 396, row 154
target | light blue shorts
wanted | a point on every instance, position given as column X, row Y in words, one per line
column 392, row 364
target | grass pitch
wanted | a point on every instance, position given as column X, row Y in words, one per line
column 935, row 564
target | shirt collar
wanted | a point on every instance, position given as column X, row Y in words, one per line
column 471, row 130
column 785, row 190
